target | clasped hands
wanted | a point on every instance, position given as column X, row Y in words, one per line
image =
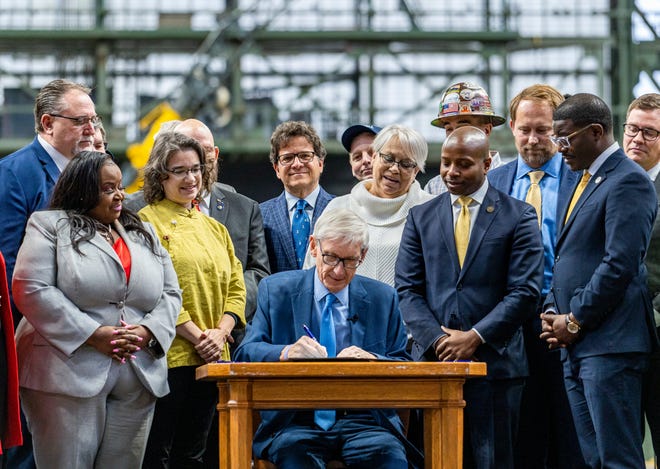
column 554, row 331
column 306, row 347
column 120, row 343
column 212, row 343
column 456, row 345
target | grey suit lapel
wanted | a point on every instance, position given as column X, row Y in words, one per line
column 217, row 205
column 98, row 241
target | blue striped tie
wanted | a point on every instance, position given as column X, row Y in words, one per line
column 326, row 418
column 300, row 231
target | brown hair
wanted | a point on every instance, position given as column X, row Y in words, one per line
column 646, row 102
column 290, row 129
column 155, row 172
column 538, row 93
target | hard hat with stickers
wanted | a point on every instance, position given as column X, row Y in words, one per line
column 466, row 98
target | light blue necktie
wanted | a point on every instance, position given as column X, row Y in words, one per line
column 326, row 418
column 300, row 231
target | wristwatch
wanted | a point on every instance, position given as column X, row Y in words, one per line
column 572, row 327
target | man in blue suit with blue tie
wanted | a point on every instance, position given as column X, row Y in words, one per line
column 599, row 309
column 469, row 274
column 352, row 316
column 546, row 437
column 297, row 156
column 65, row 122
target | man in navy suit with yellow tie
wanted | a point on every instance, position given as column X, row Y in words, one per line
column 599, row 309
column 352, row 316
column 468, row 274
column 297, row 156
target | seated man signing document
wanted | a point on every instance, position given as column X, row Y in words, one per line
column 328, row 311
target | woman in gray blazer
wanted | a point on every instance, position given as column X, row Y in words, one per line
column 100, row 300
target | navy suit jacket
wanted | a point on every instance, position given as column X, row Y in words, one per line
column 277, row 228
column 600, row 274
column 653, row 257
column 27, row 178
column 285, row 303
column 497, row 289
column 502, row 179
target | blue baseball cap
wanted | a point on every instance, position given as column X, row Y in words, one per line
column 355, row 130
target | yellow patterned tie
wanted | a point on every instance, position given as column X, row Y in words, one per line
column 462, row 230
column 578, row 192
column 533, row 196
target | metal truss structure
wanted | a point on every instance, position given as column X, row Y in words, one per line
column 245, row 65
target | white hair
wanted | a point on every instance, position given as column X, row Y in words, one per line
column 412, row 142
column 344, row 225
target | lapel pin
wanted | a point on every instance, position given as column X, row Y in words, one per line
column 490, row 209
column 220, row 204
column 598, row 179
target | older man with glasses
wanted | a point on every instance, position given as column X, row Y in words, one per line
column 297, row 156
column 65, row 121
column 329, row 311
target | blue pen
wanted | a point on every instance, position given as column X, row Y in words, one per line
column 309, row 332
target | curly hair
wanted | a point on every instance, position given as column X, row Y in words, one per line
column 167, row 144
column 78, row 191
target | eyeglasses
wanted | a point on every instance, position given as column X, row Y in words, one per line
column 648, row 134
column 303, row 156
column 350, row 263
column 389, row 160
column 182, row 172
column 565, row 142
column 81, row 121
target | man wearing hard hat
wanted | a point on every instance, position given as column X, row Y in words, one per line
column 464, row 104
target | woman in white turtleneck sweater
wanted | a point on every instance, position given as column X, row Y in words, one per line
column 384, row 201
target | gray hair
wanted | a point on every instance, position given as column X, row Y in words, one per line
column 413, row 143
column 167, row 126
column 49, row 100
column 342, row 224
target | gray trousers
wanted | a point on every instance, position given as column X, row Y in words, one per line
column 107, row 430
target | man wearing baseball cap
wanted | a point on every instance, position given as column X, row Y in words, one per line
column 462, row 104
column 358, row 140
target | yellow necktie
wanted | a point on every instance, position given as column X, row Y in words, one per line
column 534, row 192
column 578, row 192
column 462, row 230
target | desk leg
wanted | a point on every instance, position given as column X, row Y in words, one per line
column 443, row 438
column 223, row 425
column 240, row 425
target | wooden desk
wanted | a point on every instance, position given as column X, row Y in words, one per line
column 436, row 387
